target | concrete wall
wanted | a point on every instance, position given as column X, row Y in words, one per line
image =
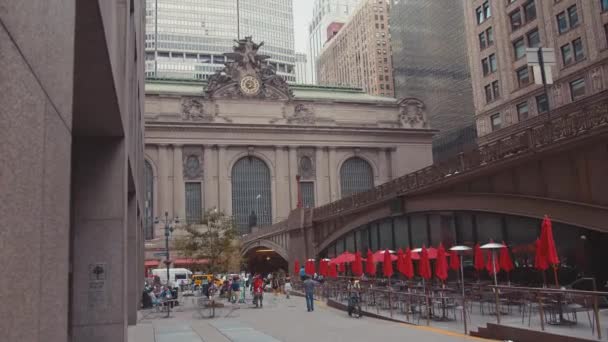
column 70, row 70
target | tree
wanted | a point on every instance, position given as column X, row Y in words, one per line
column 216, row 241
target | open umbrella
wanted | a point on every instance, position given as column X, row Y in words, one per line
column 431, row 251
column 408, row 267
column 379, row 255
column 387, row 266
column 441, row 266
column 342, row 268
column 400, row 264
column 454, row 261
column 504, row 259
column 309, row 267
column 332, row 271
column 540, row 262
column 547, row 245
column 357, row 266
column 370, row 266
column 296, row 268
column 478, row 261
column 346, row 257
column 424, row 267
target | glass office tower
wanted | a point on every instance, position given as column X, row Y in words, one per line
column 186, row 39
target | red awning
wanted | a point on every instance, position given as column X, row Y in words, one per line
column 190, row 262
column 151, row 263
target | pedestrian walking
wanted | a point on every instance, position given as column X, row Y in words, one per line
column 287, row 287
column 309, row 289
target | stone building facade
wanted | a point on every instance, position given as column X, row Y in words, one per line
column 71, row 166
column 242, row 147
column 359, row 55
column 498, row 33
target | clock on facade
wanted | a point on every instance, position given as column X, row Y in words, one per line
column 250, row 85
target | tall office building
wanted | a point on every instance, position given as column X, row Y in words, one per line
column 505, row 93
column 325, row 12
column 358, row 54
column 302, row 74
column 186, row 38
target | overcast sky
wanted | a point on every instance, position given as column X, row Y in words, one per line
column 302, row 14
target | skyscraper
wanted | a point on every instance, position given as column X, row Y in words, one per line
column 186, row 38
column 325, row 12
column 302, row 74
column 505, row 91
column 430, row 59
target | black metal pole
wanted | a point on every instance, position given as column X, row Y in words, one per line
column 167, row 261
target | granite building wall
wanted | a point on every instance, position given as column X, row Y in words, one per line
column 70, row 164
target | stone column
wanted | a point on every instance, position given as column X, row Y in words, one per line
column 392, row 165
column 293, row 172
column 282, row 181
column 99, row 249
column 179, row 188
column 210, row 184
column 333, row 174
column 383, row 168
column 133, row 292
column 322, row 184
column 165, row 175
column 222, row 188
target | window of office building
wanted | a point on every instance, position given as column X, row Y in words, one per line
column 522, row 111
column 530, row 10
column 542, row 104
column 523, row 76
column 577, row 89
column 604, row 5
column 482, row 40
column 495, row 90
column 516, row 19
column 573, row 16
column 496, row 122
column 493, row 66
column 533, row 38
column 577, row 46
column 567, row 57
column 519, row 48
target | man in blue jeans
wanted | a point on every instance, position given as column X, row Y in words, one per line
column 309, row 290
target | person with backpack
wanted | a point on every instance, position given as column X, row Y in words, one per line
column 236, row 289
column 258, row 291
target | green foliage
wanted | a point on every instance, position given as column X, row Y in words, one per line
column 216, row 240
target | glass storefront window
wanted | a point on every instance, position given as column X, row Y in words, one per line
column 465, row 228
column 374, row 237
column 350, row 243
column 419, row 231
column 386, row 235
column 489, row 228
column 402, row 239
column 442, row 230
column 364, row 233
column 339, row 246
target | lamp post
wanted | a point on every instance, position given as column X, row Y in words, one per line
column 493, row 247
column 168, row 230
column 460, row 250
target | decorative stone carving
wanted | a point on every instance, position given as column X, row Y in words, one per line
column 306, row 163
column 194, row 109
column 302, row 115
column 412, row 113
column 596, row 80
column 193, row 163
column 247, row 75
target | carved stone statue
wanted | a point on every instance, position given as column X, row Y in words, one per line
column 247, row 74
column 193, row 109
column 302, row 115
column 412, row 114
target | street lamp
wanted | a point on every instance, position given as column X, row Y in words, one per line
column 168, row 230
column 461, row 250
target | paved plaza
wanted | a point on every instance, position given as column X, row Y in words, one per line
column 280, row 320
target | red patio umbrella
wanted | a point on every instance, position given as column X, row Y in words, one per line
column 478, row 261
column 323, row 267
column 540, row 262
column 332, row 271
column 379, row 255
column 454, row 261
column 387, row 266
column 504, row 259
column 357, row 266
column 370, row 266
column 296, row 268
column 346, row 257
column 309, row 267
column 441, row 266
column 408, row 267
column 342, row 268
column 424, row 267
column 400, row 264
column 489, row 267
column 547, row 245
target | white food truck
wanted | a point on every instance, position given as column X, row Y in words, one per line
column 177, row 276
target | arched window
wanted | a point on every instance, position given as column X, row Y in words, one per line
column 251, row 194
column 356, row 175
column 149, row 201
